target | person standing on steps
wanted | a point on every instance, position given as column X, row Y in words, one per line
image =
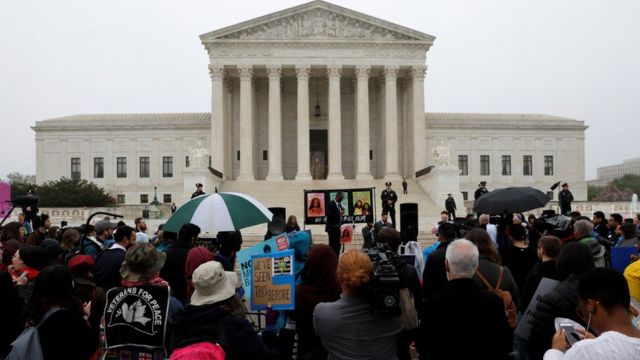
column 389, row 199
column 334, row 219
column 450, row 205
column 404, row 186
column 198, row 191
column 565, row 197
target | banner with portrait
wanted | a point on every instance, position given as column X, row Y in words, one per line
column 358, row 204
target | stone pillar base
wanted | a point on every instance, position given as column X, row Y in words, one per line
column 440, row 182
column 274, row 177
column 337, row 176
column 364, row 176
column 303, row 176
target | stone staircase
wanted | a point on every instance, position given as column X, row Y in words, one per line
column 290, row 195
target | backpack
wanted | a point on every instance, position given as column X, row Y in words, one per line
column 509, row 307
column 409, row 315
column 199, row 351
column 27, row 345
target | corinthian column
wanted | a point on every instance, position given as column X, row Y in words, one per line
column 275, row 124
column 246, row 123
column 216, row 72
column 302, row 73
column 391, row 121
column 419, row 135
column 362, row 123
column 335, row 132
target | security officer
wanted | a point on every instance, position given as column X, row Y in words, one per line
column 389, row 199
column 198, row 191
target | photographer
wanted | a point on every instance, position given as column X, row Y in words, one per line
column 408, row 279
column 347, row 327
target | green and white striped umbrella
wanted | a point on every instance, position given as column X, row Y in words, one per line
column 224, row 211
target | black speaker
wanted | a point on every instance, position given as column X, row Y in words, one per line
column 279, row 212
column 409, row 222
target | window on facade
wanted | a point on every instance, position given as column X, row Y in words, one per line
column 485, row 166
column 121, row 167
column 527, row 165
column 550, row 195
column 187, row 163
column 463, row 165
column 144, row 198
column 548, row 165
column 166, row 198
column 98, row 167
column 465, row 195
column 506, row 165
column 167, row 166
column 265, row 155
column 144, row 167
column 75, row 168
column 120, row 199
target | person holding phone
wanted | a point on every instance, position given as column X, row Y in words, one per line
column 605, row 308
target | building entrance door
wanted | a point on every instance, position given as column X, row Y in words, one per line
column 318, row 141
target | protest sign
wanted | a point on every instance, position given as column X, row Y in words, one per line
column 621, row 257
column 358, row 204
column 346, row 233
column 273, row 281
column 524, row 326
column 5, row 197
column 277, row 243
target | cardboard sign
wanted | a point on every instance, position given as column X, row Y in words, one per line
column 358, row 204
column 277, row 243
column 136, row 316
column 524, row 326
column 621, row 257
column 346, row 234
column 273, row 281
column 5, row 197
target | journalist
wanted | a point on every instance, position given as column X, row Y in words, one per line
column 347, row 327
column 408, row 280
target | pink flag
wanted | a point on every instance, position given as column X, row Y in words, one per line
column 5, row 196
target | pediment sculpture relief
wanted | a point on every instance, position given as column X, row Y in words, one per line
column 318, row 24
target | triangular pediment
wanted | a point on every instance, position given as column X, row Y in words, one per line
column 317, row 20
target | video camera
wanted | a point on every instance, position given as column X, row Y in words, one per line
column 384, row 285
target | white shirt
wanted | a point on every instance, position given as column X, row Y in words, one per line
column 493, row 233
column 118, row 246
column 609, row 345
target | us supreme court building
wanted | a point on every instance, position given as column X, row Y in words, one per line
column 312, row 96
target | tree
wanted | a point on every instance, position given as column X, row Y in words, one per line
column 628, row 181
column 71, row 192
column 593, row 192
column 20, row 184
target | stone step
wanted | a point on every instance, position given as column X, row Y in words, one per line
column 290, row 195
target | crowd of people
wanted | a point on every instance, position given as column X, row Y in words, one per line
column 113, row 290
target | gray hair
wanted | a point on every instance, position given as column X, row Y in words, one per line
column 584, row 227
column 462, row 256
column 483, row 218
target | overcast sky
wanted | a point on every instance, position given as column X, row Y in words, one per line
column 578, row 59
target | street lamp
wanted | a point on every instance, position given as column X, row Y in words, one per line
column 155, row 195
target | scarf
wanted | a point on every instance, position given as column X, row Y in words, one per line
column 154, row 281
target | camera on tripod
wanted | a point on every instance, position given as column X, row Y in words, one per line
column 384, row 285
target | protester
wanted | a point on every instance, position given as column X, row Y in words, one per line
column 63, row 329
column 367, row 233
column 140, row 270
column 380, row 224
column 632, row 274
column 82, row 268
column 25, row 267
column 41, row 224
column 629, row 236
column 517, row 256
column 319, row 284
column 292, row 225
column 582, row 231
column 604, row 305
column 464, row 321
column 347, row 327
column 548, row 251
column 173, row 270
column 600, row 226
column 533, row 234
column 196, row 257
column 228, row 243
column 11, row 306
column 8, row 249
column 615, row 219
column 485, row 224
column 489, row 264
column 216, row 316
column 574, row 260
column 434, row 276
column 109, row 262
column 408, row 280
column 12, row 231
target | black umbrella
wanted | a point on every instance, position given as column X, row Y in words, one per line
column 511, row 200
